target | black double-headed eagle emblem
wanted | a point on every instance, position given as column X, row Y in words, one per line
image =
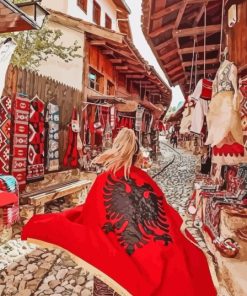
column 134, row 213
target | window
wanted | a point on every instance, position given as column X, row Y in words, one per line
column 96, row 80
column 110, row 88
column 108, row 22
column 82, row 4
column 96, row 13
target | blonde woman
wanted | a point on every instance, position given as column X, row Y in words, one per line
column 126, row 233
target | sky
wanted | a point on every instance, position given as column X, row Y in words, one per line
column 145, row 50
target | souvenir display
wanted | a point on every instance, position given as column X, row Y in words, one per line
column 189, row 110
column 71, row 155
column 9, row 203
column 36, row 140
column 20, row 140
column 225, row 133
column 243, row 108
column 202, row 95
column 52, row 121
column 5, row 134
column 138, row 121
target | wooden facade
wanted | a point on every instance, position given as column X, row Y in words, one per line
column 122, row 66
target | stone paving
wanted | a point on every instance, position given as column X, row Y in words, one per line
column 26, row 270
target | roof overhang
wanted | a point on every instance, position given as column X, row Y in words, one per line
column 122, row 5
column 171, row 27
column 128, row 61
column 13, row 19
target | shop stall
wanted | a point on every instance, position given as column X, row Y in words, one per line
column 202, row 48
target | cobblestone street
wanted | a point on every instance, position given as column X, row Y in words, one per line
column 42, row 272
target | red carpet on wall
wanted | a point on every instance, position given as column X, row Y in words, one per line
column 5, row 131
column 35, row 168
column 20, row 140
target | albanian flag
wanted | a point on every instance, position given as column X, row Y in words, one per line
column 129, row 236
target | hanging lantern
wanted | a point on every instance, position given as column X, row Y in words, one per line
column 34, row 11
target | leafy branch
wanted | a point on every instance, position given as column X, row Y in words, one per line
column 33, row 47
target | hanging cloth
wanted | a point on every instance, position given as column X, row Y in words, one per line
column 138, row 122
column 52, row 123
column 71, row 154
column 113, row 117
column 20, row 140
column 6, row 51
column 107, row 137
column 5, row 134
column 36, row 141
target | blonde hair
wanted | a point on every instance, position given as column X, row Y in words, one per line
column 121, row 154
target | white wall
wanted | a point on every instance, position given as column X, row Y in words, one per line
column 70, row 73
column 70, row 7
column 58, row 5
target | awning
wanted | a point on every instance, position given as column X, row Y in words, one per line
column 14, row 19
column 108, row 99
column 130, row 106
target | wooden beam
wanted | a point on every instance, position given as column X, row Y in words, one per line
column 161, row 30
column 196, row 31
column 142, row 82
column 180, row 14
column 82, row 26
column 176, row 77
column 200, row 14
column 175, row 70
column 173, row 63
column 165, row 11
column 169, row 54
column 121, row 68
column 116, row 61
column 135, row 76
column 107, row 52
column 129, row 72
column 201, row 72
column 174, row 7
column 151, row 86
column 136, row 68
column 164, row 44
column 98, row 42
column 132, row 62
column 213, row 47
column 180, row 81
column 201, row 62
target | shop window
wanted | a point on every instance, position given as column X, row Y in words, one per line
column 110, row 88
column 96, row 12
column 96, row 80
column 108, row 22
column 82, row 4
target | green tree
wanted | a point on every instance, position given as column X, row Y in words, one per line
column 33, row 47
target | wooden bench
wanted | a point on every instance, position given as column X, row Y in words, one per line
column 75, row 190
